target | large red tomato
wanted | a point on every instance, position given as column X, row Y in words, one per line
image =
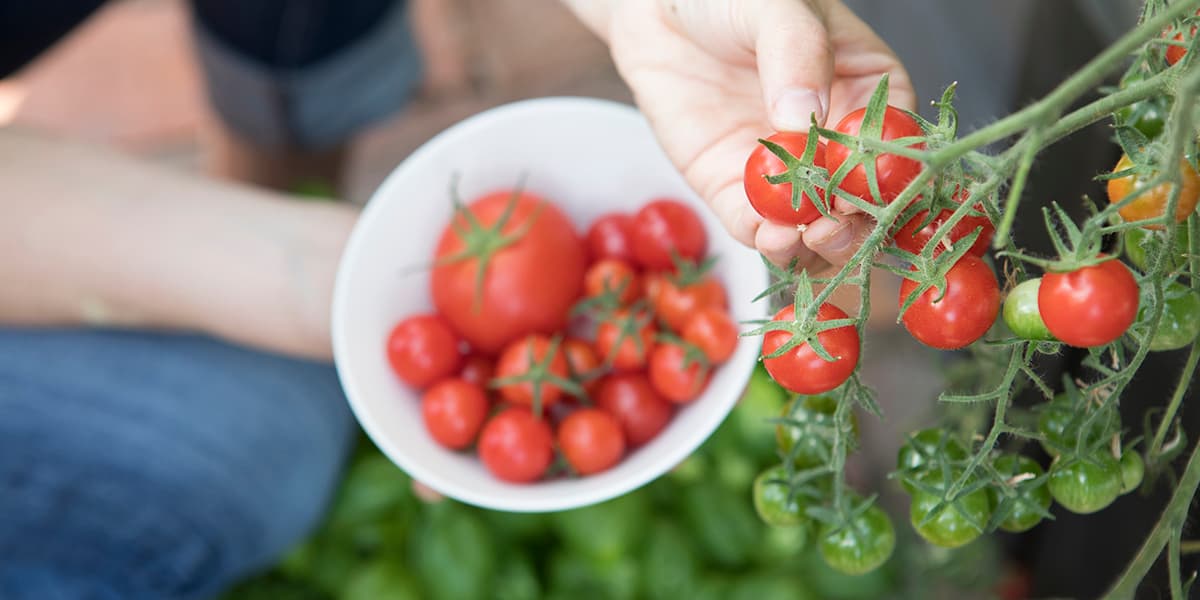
column 893, row 173
column 800, row 369
column 1091, row 306
column 530, row 280
column 962, row 314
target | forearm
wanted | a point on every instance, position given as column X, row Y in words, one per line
column 92, row 238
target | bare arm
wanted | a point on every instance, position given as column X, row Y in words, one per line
column 88, row 237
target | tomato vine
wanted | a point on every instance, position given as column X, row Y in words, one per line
column 958, row 182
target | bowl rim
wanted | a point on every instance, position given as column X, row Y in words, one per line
column 564, row 499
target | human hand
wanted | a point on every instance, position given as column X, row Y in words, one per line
column 713, row 76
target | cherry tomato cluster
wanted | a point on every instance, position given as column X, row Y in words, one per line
column 546, row 343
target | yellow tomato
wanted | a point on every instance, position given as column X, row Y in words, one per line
column 1151, row 202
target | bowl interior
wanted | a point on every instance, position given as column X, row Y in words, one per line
column 589, row 157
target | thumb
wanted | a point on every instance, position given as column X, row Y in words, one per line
column 795, row 63
column 837, row 241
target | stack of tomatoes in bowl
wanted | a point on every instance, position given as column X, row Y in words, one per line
column 546, row 343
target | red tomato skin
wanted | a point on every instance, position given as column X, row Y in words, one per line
column 515, row 361
column 800, row 369
column 1091, row 306
column 529, row 286
column 630, row 397
column 712, row 331
column 893, row 173
column 963, row 314
column 662, row 226
column 911, row 239
column 624, row 354
column 478, row 369
column 610, row 236
column 516, row 446
column 582, row 361
column 591, row 440
column 674, row 305
column 454, row 411
column 423, row 349
column 608, row 275
column 672, row 379
column 774, row 201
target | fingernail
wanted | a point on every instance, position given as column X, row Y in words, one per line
column 794, row 108
column 839, row 239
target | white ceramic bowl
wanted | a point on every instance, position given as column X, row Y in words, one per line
column 589, row 157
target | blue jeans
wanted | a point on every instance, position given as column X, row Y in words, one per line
column 146, row 465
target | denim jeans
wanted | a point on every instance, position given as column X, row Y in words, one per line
column 151, row 465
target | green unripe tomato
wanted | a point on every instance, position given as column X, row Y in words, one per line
column 921, row 453
column 1022, row 513
column 808, row 439
column 1180, row 322
column 955, row 524
column 862, row 546
column 1137, row 241
column 1132, row 471
column 1021, row 312
column 1085, row 485
column 1058, row 422
column 771, row 499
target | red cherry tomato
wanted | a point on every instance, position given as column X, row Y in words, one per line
column 591, row 440
column 677, row 376
column 516, row 446
column 675, row 303
column 529, row 285
column 665, row 227
column 1176, row 53
column 911, row 239
column 962, row 315
column 454, row 411
column 629, row 397
column 478, row 369
column 893, row 173
column 583, row 364
column 517, row 360
column 610, row 236
column 1091, row 306
column 625, row 339
column 612, row 276
column 712, row 331
column 423, row 349
column 800, row 369
column 774, row 201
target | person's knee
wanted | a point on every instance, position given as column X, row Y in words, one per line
column 170, row 486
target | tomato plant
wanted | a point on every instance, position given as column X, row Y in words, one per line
column 422, row 349
column 928, row 450
column 774, row 201
column 1021, row 313
column 1150, row 201
column 454, row 411
column 916, row 234
column 958, row 315
column 1180, row 322
column 509, row 264
column 774, row 501
column 799, row 368
column 1086, row 484
column 1090, row 306
column 892, row 172
column 805, row 430
column 861, row 545
column 952, row 522
column 1025, row 498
